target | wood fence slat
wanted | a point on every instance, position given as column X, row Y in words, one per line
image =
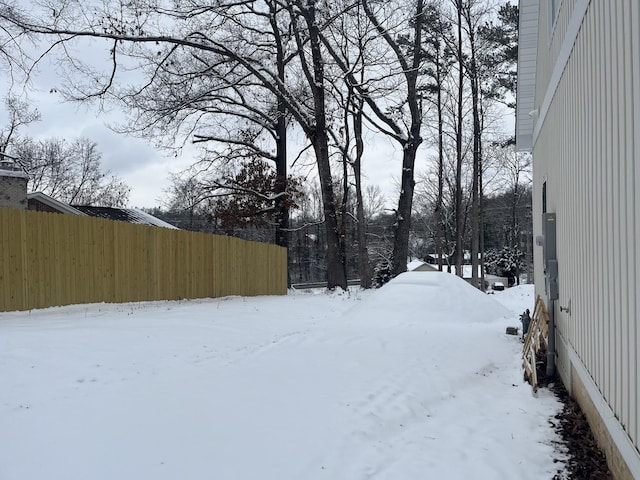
column 52, row 259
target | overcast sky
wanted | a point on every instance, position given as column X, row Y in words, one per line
column 146, row 169
column 142, row 167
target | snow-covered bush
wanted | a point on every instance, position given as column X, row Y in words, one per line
column 382, row 273
column 508, row 262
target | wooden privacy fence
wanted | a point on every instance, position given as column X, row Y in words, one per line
column 535, row 342
column 49, row 259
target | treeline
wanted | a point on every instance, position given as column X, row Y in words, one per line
column 507, row 234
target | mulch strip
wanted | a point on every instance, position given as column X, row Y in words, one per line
column 585, row 459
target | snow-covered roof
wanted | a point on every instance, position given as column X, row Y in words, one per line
column 130, row 215
column 420, row 266
column 413, row 264
column 53, row 203
column 149, row 219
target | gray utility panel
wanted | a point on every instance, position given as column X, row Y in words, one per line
column 549, row 255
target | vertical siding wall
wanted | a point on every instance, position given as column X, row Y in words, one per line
column 588, row 151
column 50, row 259
column 550, row 39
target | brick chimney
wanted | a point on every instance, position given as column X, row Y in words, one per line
column 13, row 186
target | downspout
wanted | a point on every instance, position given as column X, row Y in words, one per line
column 550, row 259
column 551, row 341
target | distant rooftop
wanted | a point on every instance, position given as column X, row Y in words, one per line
column 53, row 203
column 130, row 215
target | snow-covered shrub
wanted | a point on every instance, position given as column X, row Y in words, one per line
column 382, row 273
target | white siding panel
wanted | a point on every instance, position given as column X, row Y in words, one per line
column 618, row 200
column 626, row 277
column 609, row 212
column 634, row 260
column 585, row 330
column 600, row 195
column 624, row 325
column 591, row 312
column 588, row 151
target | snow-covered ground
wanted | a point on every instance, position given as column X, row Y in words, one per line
column 415, row 380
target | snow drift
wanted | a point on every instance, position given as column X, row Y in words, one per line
column 431, row 297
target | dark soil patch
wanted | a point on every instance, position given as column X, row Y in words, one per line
column 586, row 461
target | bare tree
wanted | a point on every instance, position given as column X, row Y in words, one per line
column 438, row 42
column 349, row 35
column 481, row 65
column 71, row 173
column 459, row 141
column 373, row 202
column 186, row 197
column 515, row 180
column 473, row 13
column 19, row 114
column 399, row 30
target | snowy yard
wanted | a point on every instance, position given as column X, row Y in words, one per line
column 416, row 380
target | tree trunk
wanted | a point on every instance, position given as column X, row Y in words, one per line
column 514, row 214
column 364, row 266
column 477, row 133
column 318, row 135
column 481, row 202
column 281, row 204
column 402, row 227
column 342, row 232
column 458, row 194
column 335, row 262
column 439, row 201
column 481, row 232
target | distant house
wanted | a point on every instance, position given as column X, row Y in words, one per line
column 41, row 202
column 13, row 194
column 578, row 113
column 432, row 258
column 420, row 266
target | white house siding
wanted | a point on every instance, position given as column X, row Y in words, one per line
column 587, row 149
column 550, row 40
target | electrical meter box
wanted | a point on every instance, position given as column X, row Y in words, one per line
column 549, row 255
column 548, row 238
